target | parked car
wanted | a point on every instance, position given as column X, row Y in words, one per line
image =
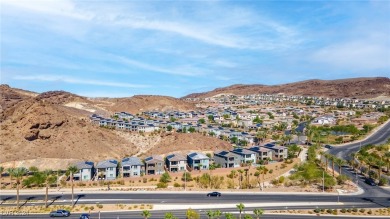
column 85, row 216
column 60, row 213
column 215, row 194
column 370, row 181
column 328, row 146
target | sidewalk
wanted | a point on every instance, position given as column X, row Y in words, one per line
column 141, row 191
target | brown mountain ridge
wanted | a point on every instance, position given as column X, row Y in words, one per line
column 349, row 88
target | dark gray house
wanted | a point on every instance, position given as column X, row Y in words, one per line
column 154, row 165
column 227, row 159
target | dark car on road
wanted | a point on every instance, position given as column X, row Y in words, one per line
column 328, row 146
column 370, row 181
column 60, row 213
column 85, row 216
column 215, row 194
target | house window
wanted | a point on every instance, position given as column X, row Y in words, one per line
column 111, row 175
column 85, row 177
column 135, row 174
column 181, row 168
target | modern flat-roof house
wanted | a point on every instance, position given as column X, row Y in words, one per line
column 176, row 163
column 262, row 152
column 86, row 170
column 279, row 152
column 227, row 159
column 132, row 166
column 198, row 161
column 247, row 156
column 154, row 165
column 106, row 170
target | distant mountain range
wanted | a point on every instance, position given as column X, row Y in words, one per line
column 353, row 87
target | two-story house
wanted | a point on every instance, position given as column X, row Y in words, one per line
column 86, row 170
column 227, row 159
column 176, row 163
column 107, row 169
column 198, row 161
column 279, row 152
column 154, row 165
column 262, row 152
column 132, row 166
column 247, row 156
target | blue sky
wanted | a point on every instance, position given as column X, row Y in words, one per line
column 123, row 48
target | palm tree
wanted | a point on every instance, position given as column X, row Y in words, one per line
column 146, row 214
column 370, row 161
column 18, row 174
column 240, row 208
column 233, row 174
column 229, row 216
column 380, row 164
column 49, row 179
column 258, row 212
column 340, row 163
column 72, row 170
column 217, row 214
column 332, row 158
column 289, row 138
column 240, row 177
column 387, row 160
column 169, row 215
column 327, row 158
column 353, row 157
column 1, row 172
column 210, row 214
column 263, row 170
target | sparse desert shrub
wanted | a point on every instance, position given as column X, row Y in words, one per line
column 176, row 184
column 162, row 185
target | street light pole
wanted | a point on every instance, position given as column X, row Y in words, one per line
column 323, row 181
column 185, row 179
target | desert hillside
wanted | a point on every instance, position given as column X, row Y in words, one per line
column 55, row 126
column 354, row 87
column 139, row 103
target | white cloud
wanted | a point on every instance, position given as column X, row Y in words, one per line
column 356, row 55
column 72, row 80
column 180, row 70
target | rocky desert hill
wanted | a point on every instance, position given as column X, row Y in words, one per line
column 140, row 103
column 53, row 128
column 353, row 87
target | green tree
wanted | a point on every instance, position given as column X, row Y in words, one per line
column 72, row 170
column 33, row 169
column 263, row 170
column 146, row 214
column 192, row 214
column 18, row 174
column 247, row 216
column 169, row 128
column 49, row 179
column 229, row 216
column 339, row 162
column 165, row 178
column 217, row 214
column 191, row 129
column 210, row 118
column 202, row 121
column 258, row 212
column 1, row 173
column 240, row 208
column 169, row 215
column 186, row 177
column 210, row 214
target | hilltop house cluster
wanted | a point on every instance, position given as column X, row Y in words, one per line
column 157, row 164
column 264, row 99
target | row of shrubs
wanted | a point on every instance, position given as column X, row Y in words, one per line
column 335, row 211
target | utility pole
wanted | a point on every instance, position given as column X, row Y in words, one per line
column 323, row 181
column 185, row 179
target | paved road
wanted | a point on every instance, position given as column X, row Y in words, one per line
column 378, row 137
column 345, row 151
column 181, row 214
